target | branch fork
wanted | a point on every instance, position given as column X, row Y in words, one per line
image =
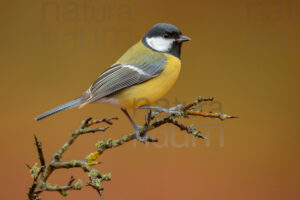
column 153, row 120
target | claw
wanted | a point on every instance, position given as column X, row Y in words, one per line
column 137, row 129
column 173, row 110
column 140, row 138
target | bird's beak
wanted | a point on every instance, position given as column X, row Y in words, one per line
column 183, row 38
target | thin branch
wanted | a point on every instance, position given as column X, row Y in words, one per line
column 38, row 145
column 211, row 115
column 153, row 120
column 35, row 173
column 63, row 189
column 183, row 111
column 84, row 129
column 196, row 102
column 188, row 129
column 72, row 179
column 41, row 175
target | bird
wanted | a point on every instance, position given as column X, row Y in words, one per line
column 140, row 77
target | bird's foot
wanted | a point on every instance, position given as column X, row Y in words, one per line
column 173, row 110
column 138, row 130
column 143, row 137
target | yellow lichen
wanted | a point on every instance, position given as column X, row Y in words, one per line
column 91, row 159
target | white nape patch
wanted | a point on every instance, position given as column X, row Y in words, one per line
column 134, row 69
column 160, row 43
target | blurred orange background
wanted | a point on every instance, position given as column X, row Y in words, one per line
column 244, row 53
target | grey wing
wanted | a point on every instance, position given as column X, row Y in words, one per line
column 121, row 76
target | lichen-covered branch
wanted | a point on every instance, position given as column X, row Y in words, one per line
column 153, row 120
column 41, row 175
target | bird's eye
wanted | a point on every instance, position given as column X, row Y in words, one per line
column 166, row 35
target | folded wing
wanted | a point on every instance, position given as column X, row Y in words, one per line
column 120, row 76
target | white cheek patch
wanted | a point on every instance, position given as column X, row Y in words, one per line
column 160, row 43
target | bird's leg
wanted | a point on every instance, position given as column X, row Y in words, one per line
column 173, row 110
column 137, row 129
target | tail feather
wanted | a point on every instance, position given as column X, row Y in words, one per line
column 65, row 106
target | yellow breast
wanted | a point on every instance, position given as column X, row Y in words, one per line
column 152, row 90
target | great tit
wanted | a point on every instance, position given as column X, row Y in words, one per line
column 144, row 74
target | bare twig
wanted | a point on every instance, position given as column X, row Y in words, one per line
column 211, row 115
column 196, row 102
column 40, row 151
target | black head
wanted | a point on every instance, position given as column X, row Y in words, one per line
column 165, row 38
